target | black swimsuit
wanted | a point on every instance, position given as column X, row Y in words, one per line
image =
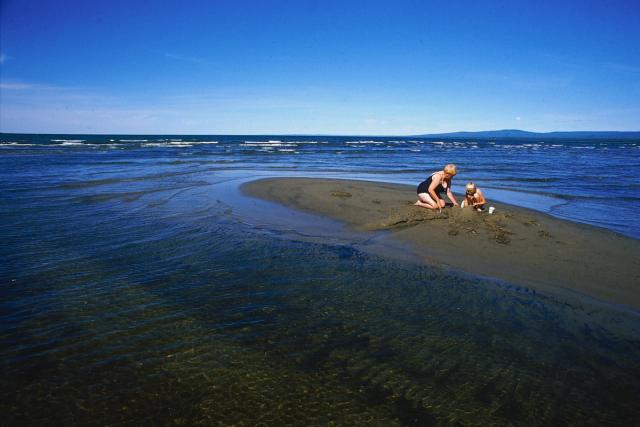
column 424, row 186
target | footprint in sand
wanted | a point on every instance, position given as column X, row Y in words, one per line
column 342, row 194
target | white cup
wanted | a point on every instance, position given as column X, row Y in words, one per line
column 491, row 209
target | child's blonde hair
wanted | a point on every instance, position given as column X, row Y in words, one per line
column 471, row 187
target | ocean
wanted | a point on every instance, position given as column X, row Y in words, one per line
column 138, row 286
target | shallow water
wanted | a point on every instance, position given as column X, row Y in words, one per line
column 138, row 287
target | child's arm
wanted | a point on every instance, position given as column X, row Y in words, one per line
column 480, row 200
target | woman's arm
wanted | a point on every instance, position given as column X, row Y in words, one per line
column 450, row 195
column 435, row 181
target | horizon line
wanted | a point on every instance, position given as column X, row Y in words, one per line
column 324, row 134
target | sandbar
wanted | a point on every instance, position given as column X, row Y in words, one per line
column 516, row 245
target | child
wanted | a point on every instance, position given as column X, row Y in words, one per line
column 473, row 197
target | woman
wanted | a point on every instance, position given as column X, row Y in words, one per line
column 473, row 197
column 430, row 190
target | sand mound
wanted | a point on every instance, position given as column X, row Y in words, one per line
column 514, row 244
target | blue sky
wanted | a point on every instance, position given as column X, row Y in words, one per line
column 308, row 67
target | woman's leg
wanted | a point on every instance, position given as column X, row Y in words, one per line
column 425, row 200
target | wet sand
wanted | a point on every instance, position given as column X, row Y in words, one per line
column 517, row 245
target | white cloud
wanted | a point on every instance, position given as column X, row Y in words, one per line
column 185, row 58
column 36, row 107
column 371, row 121
column 15, row 86
column 623, row 67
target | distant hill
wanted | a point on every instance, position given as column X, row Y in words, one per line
column 516, row 133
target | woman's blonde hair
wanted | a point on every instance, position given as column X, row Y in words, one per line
column 450, row 169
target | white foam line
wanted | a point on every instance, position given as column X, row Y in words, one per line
column 265, row 144
column 270, row 142
column 167, row 144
